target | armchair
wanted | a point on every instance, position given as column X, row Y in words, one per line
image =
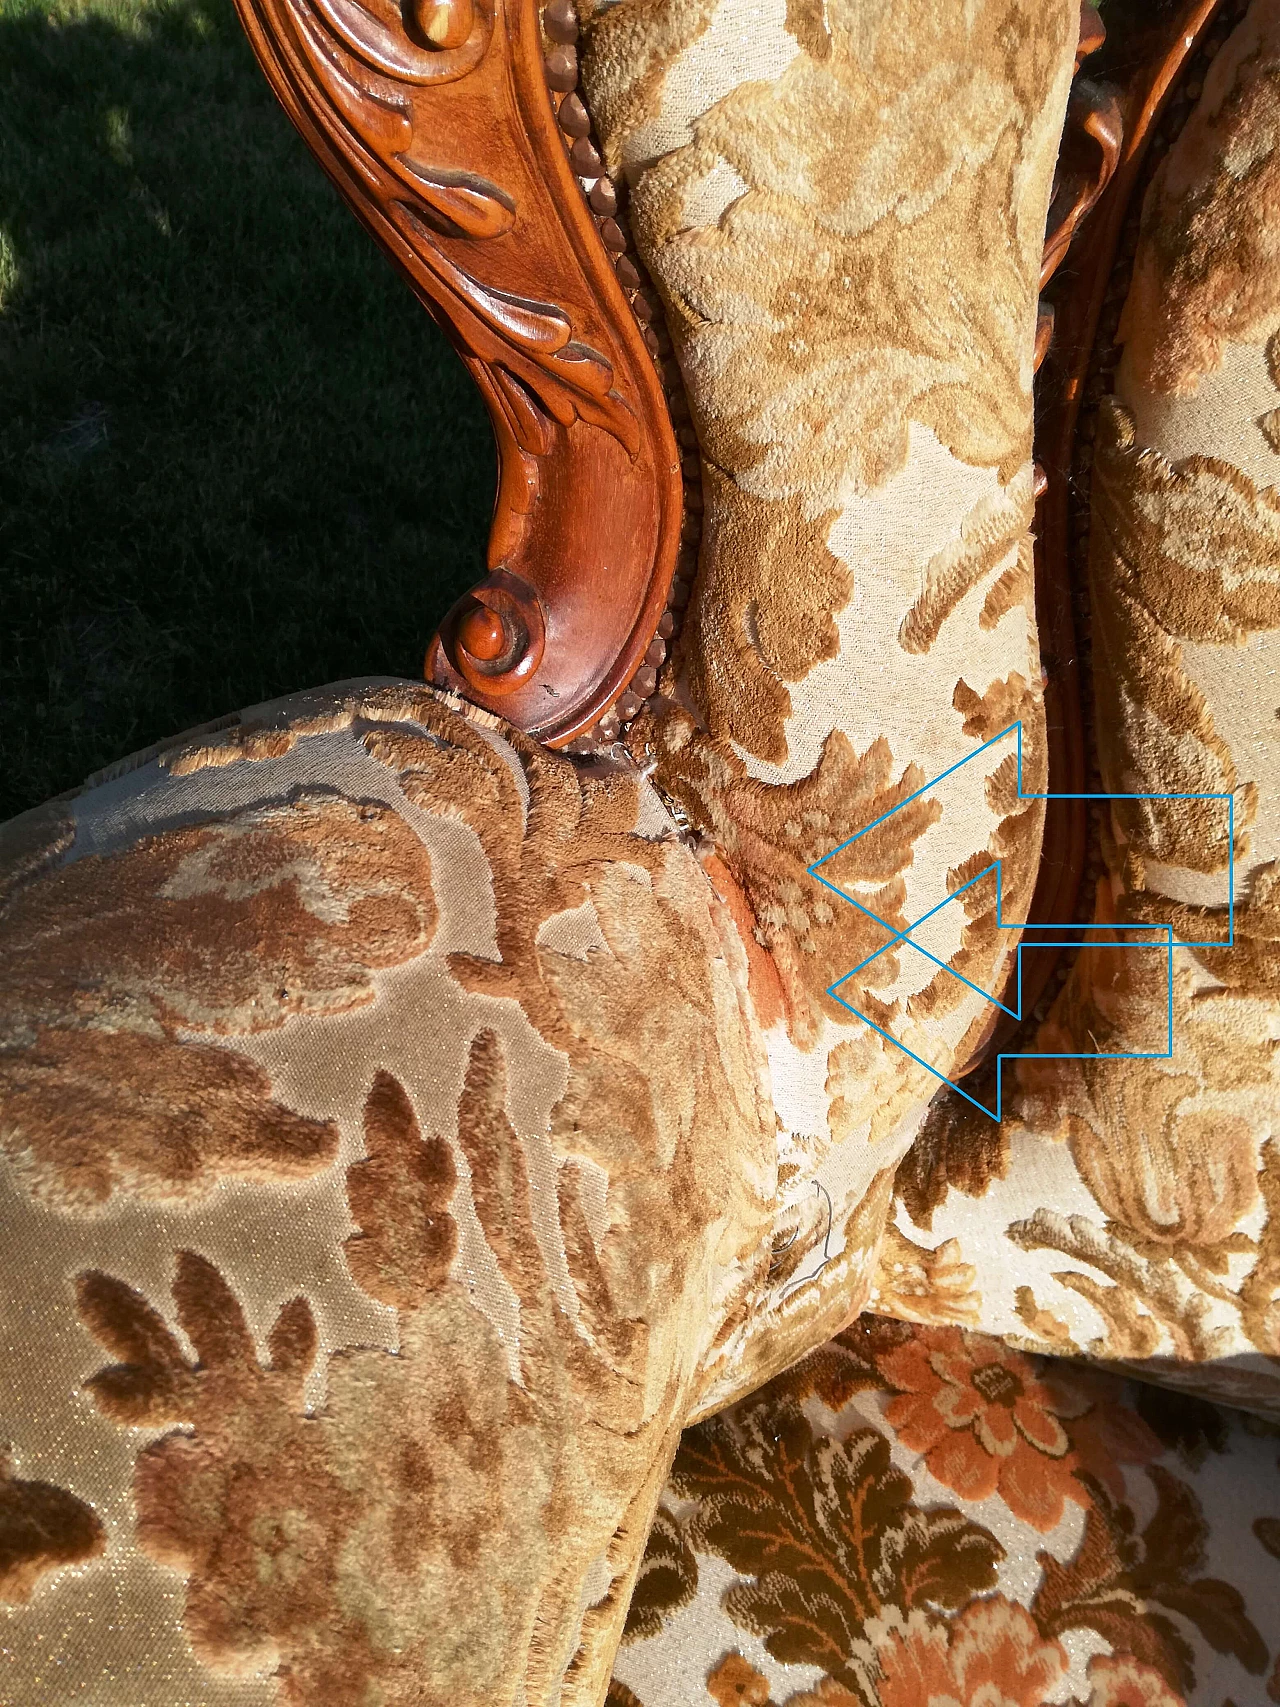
column 501, row 1167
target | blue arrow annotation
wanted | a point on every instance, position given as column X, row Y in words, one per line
column 1163, row 939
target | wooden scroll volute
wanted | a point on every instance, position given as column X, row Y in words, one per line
column 437, row 123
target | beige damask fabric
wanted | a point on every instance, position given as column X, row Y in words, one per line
column 925, row 1517
column 385, row 1143
column 844, row 207
column 1131, row 1208
column 405, row 1131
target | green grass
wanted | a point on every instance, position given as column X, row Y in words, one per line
column 236, row 458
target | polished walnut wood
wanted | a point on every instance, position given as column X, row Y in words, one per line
column 1090, row 153
column 452, row 129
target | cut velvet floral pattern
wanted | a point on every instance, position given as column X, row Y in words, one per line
column 1128, row 1209
column 430, row 1473
column 992, row 1655
column 984, row 1423
column 989, row 1419
column 924, row 1517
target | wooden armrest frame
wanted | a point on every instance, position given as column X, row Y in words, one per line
column 452, row 130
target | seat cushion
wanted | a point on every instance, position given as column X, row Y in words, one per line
column 926, row 1517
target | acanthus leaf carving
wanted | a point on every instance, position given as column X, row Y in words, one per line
column 527, row 420
column 376, row 123
column 468, row 205
column 385, row 44
column 440, row 123
column 568, row 377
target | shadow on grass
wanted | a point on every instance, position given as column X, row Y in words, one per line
column 236, row 458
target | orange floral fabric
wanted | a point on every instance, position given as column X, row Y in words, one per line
column 924, row 1517
column 984, row 1422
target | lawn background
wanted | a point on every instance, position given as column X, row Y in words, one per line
column 236, row 457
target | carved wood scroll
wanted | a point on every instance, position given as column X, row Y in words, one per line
column 451, row 128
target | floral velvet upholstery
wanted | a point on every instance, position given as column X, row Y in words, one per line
column 1128, row 1208
column 925, row 1517
column 433, row 1169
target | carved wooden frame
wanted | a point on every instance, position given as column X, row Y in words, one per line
column 452, row 129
